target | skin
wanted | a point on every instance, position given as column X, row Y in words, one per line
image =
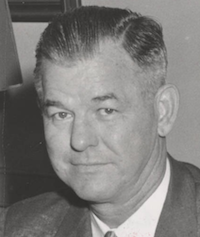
column 101, row 136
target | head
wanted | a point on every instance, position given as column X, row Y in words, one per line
column 100, row 77
column 77, row 35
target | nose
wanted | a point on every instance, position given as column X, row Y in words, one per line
column 83, row 135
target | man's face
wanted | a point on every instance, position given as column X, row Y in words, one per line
column 101, row 136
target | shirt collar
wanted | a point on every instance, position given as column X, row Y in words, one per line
column 144, row 221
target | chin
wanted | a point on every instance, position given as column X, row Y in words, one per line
column 91, row 197
column 92, row 188
column 93, row 192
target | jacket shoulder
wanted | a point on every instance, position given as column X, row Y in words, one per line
column 194, row 172
column 37, row 216
column 189, row 171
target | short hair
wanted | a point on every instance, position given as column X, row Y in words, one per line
column 76, row 34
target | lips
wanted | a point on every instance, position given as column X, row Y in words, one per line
column 88, row 164
column 89, row 168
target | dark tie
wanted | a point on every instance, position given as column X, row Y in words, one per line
column 110, row 234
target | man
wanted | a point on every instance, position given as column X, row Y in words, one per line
column 100, row 77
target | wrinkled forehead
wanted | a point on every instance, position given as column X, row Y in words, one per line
column 109, row 71
column 108, row 55
column 109, row 74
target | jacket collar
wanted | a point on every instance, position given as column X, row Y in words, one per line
column 178, row 217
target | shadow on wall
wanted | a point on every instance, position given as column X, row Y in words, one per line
column 25, row 169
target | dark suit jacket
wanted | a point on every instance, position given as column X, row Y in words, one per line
column 50, row 215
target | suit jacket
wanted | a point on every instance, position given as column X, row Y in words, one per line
column 51, row 215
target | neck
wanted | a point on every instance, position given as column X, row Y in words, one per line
column 114, row 214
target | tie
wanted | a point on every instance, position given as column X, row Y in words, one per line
column 110, row 234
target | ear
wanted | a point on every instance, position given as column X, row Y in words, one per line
column 167, row 104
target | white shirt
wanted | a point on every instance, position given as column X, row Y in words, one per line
column 144, row 221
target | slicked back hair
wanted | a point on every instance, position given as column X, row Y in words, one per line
column 77, row 34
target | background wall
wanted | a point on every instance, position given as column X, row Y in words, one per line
column 181, row 24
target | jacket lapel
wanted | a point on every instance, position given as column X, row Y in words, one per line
column 178, row 217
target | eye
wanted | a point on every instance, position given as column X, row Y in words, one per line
column 62, row 115
column 107, row 111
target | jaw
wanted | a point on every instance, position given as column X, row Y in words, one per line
column 115, row 213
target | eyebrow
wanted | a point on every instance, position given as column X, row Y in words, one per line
column 52, row 103
column 110, row 96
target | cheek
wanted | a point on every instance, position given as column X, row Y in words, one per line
column 54, row 136
column 131, row 140
column 57, row 143
column 120, row 138
column 58, row 155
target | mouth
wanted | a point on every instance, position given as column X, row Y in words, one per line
column 89, row 167
column 89, row 164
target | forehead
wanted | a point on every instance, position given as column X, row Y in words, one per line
column 110, row 68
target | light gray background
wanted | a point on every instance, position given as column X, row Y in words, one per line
column 181, row 23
